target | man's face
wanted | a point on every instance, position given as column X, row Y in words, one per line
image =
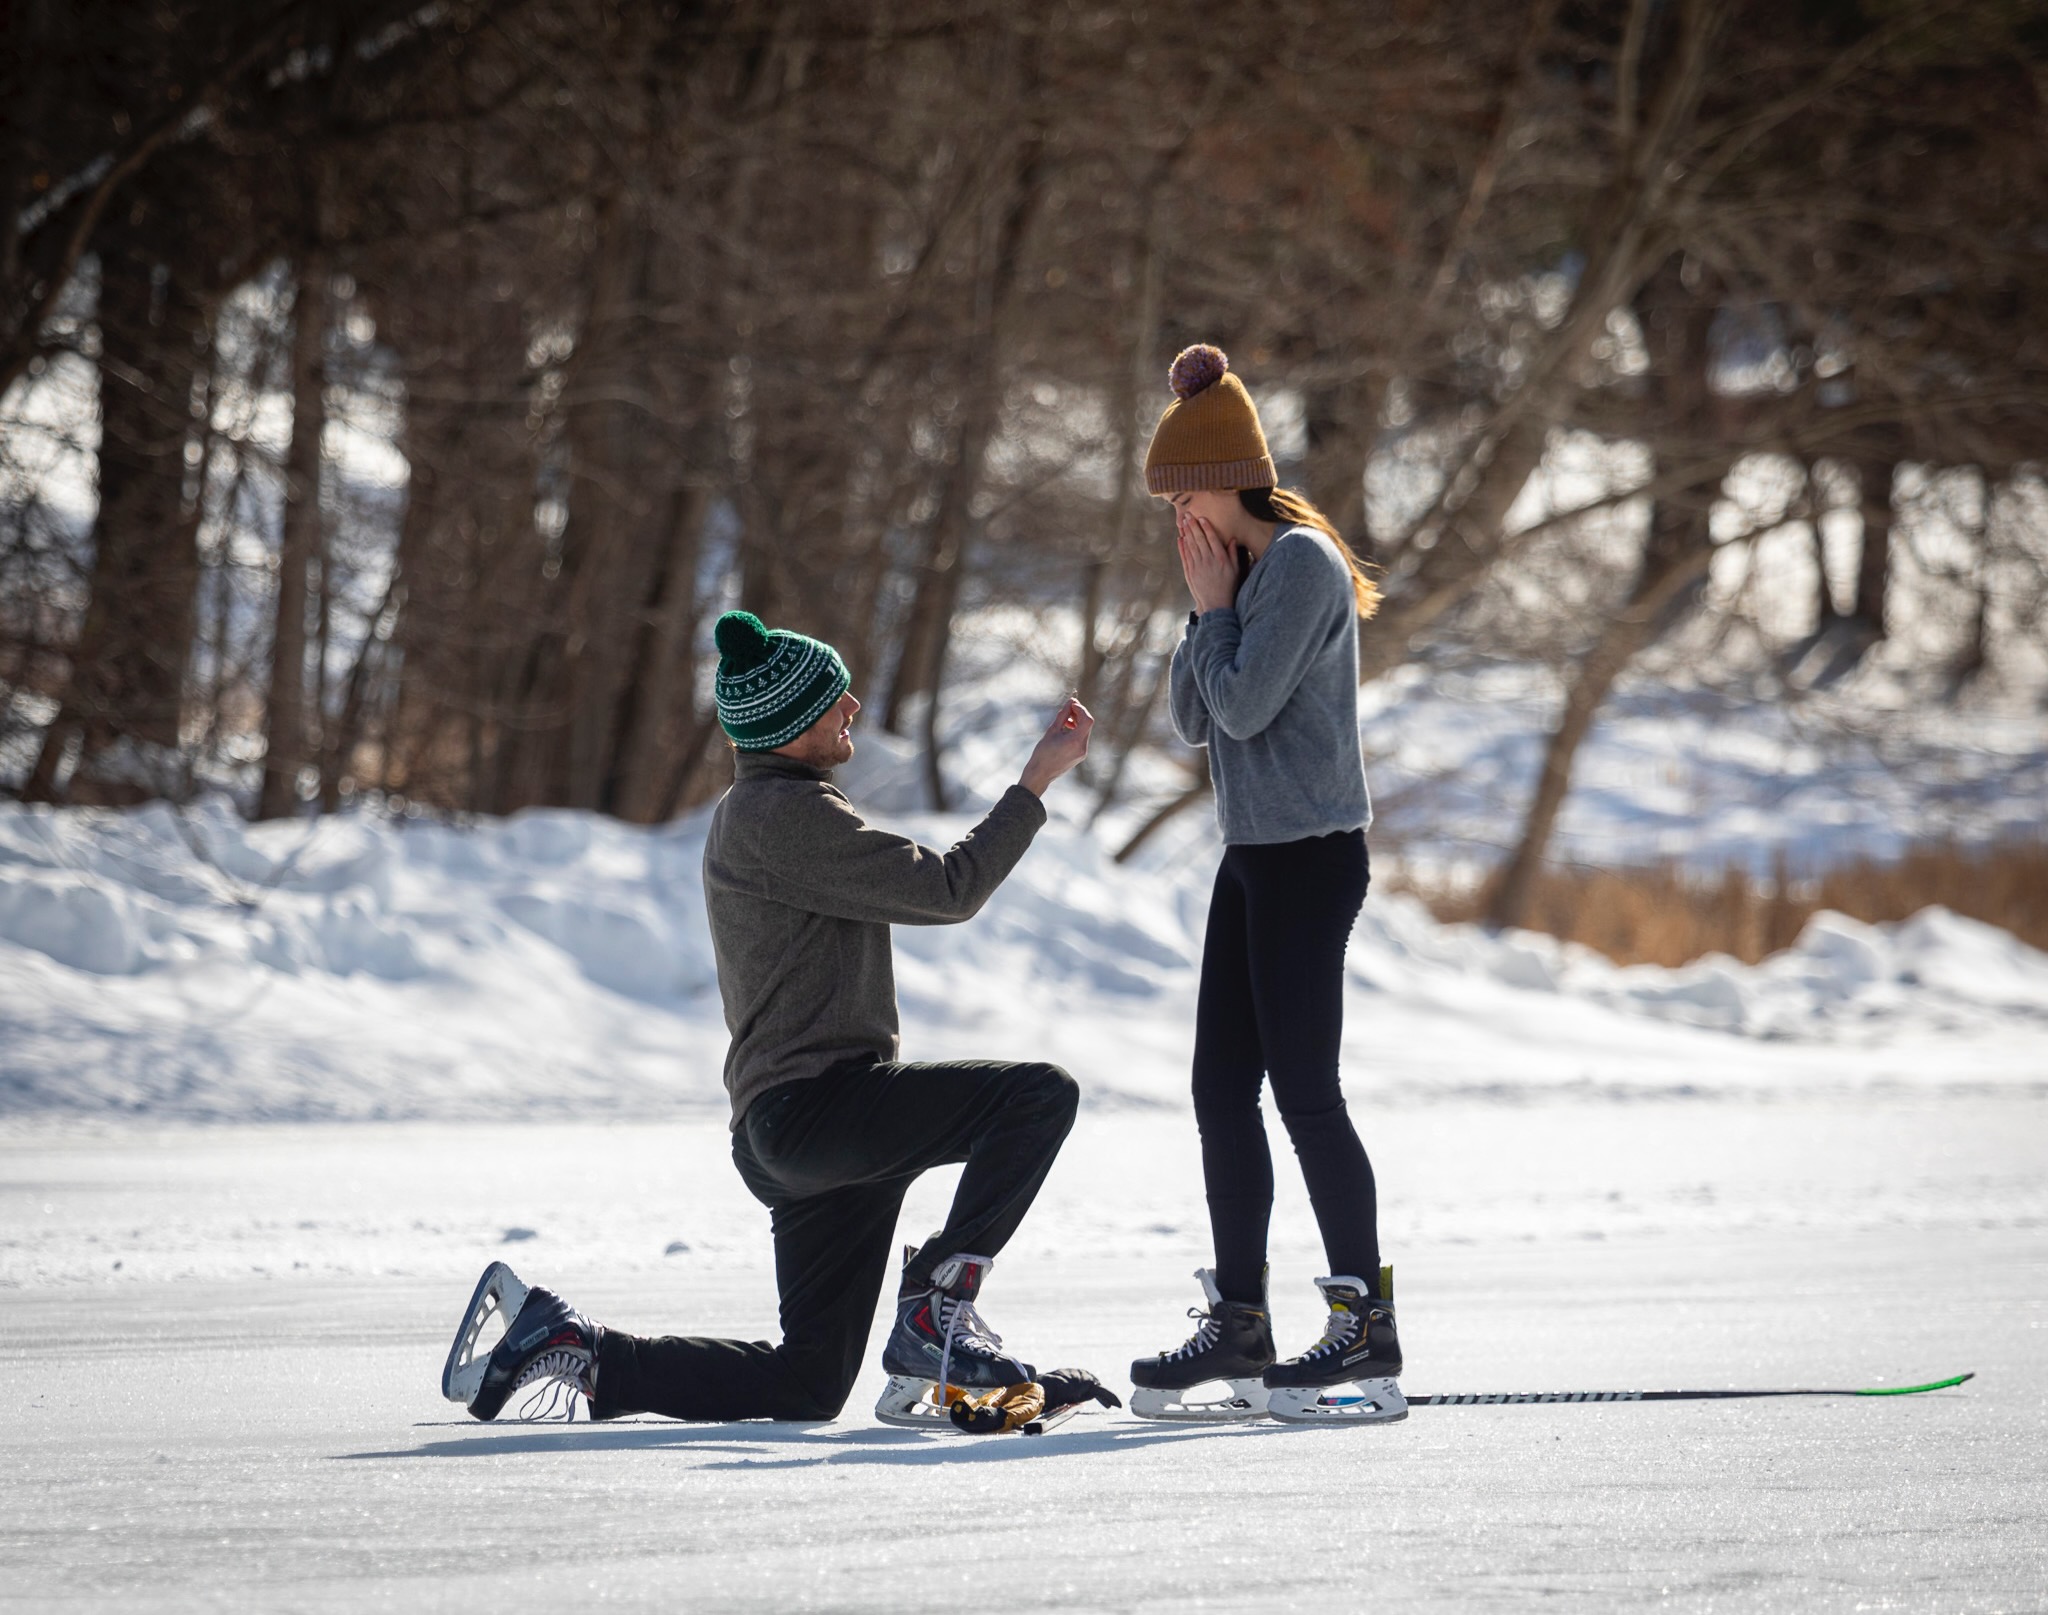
column 829, row 741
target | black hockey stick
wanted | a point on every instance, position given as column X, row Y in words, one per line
column 1489, row 1398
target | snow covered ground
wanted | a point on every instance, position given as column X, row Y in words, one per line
column 219, row 1349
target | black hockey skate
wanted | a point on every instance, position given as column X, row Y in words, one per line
column 547, row 1346
column 1231, row 1346
column 940, row 1345
column 1349, row 1376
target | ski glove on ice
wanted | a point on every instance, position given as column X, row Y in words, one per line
column 1019, row 1405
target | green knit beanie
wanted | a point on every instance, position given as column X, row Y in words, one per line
column 772, row 686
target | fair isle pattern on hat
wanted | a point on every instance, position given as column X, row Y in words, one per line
column 773, row 685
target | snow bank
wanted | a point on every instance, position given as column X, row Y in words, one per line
column 558, row 963
column 1842, row 981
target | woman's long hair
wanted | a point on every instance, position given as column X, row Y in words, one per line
column 1291, row 509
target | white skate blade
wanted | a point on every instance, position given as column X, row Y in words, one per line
column 1046, row 1423
column 1366, row 1401
column 498, row 1294
column 1240, row 1399
column 911, row 1404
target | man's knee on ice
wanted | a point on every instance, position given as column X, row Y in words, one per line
column 810, row 1408
column 803, row 1403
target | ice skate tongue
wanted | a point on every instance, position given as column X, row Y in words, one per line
column 960, row 1276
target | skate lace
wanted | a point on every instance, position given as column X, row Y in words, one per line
column 962, row 1325
column 1341, row 1330
column 1207, row 1332
column 557, row 1377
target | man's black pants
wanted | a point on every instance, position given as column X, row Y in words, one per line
column 831, row 1158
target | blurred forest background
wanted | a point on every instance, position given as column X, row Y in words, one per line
column 395, row 392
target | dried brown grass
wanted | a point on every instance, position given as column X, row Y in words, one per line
column 1663, row 915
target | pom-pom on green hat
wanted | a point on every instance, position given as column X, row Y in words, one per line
column 773, row 684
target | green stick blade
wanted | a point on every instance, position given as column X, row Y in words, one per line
column 1909, row 1390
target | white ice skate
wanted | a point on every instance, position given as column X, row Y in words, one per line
column 1365, row 1401
column 1352, row 1374
column 500, row 1295
column 915, row 1404
column 1227, row 1401
column 939, row 1340
column 1214, row 1378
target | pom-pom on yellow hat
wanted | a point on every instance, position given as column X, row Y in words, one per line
column 1210, row 435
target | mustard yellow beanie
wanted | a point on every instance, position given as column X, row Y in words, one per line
column 1209, row 436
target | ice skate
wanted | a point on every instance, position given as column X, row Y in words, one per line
column 1351, row 1375
column 941, row 1350
column 1213, row 1378
column 500, row 1295
column 547, row 1346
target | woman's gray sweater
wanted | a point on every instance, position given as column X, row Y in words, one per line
column 1270, row 686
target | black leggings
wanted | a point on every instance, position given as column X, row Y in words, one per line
column 1272, row 1004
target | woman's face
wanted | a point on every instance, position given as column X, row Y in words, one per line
column 1216, row 506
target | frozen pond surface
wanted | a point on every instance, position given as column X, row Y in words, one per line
column 243, row 1412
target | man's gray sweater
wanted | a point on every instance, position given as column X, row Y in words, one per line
column 1270, row 686
column 801, row 894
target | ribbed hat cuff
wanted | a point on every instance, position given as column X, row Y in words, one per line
column 1257, row 473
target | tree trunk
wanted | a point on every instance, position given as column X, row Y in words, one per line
column 286, row 727
column 1874, row 473
column 125, row 685
column 942, row 640
column 923, row 631
column 1342, row 422
column 1827, row 613
column 323, row 739
column 662, row 688
column 1679, row 550
column 1124, row 412
column 340, row 735
column 606, row 562
column 1127, row 731
column 697, row 773
column 1010, row 212
column 1676, row 321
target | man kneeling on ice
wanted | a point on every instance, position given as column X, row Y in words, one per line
column 829, row 1128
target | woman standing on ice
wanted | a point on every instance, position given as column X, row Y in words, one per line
column 1266, row 677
